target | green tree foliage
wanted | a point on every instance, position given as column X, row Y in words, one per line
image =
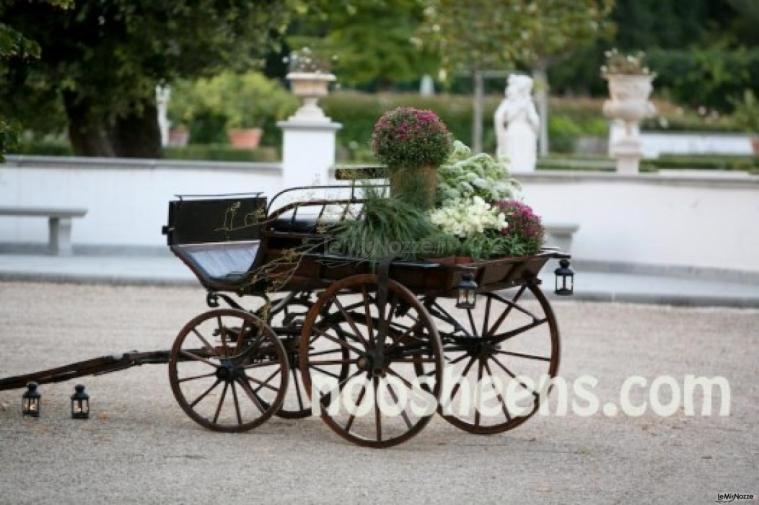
column 487, row 34
column 705, row 52
column 371, row 42
column 102, row 60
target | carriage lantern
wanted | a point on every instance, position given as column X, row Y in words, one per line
column 565, row 279
column 467, row 292
column 30, row 401
column 80, row 403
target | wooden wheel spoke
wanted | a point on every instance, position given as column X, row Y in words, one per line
column 221, row 403
column 223, row 335
column 471, row 321
column 520, row 355
column 333, row 362
column 443, row 314
column 402, row 379
column 252, row 395
column 251, row 351
column 463, row 375
column 479, row 393
column 240, row 336
column 325, row 372
column 195, row 377
column 237, row 404
column 205, row 393
column 352, row 417
column 506, row 312
column 322, row 353
column 501, row 337
column 504, row 408
column 513, row 376
column 351, row 322
column 339, row 385
column 339, row 342
column 206, row 344
column 195, row 357
column 404, row 415
column 297, row 388
column 368, row 314
column 457, row 360
column 377, row 414
column 486, row 319
column 264, row 383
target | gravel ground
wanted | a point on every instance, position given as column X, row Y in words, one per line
column 140, row 448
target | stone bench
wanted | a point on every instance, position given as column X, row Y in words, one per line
column 560, row 235
column 59, row 224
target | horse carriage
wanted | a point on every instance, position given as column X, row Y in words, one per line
column 374, row 347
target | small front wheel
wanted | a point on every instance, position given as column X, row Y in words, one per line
column 228, row 370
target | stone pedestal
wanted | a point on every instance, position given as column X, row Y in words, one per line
column 308, row 151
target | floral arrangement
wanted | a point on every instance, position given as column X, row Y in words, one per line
column 523, row 224
column 628, row 64
column 410, row 138
column 464, row 175
column 305, row 61
column 467, row 217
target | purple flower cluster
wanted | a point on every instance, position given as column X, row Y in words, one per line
column 523, row 222
column 410, row 138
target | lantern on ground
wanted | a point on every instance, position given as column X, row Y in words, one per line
column 565, row 279
column 467, row 296
column 30, row 401
column 80, row 403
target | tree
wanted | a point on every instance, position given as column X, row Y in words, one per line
column 371, row 41
column 102, row 60
column 478, row 35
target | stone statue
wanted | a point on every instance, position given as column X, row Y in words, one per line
column 517, row 124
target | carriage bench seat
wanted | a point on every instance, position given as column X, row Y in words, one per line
column 59, row 224
column 220, row 265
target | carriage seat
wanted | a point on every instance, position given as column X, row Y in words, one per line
column 220, row 265
column 301, row 224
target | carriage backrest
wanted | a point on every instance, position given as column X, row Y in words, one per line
column 218, row 237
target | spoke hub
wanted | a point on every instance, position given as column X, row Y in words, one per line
column 227, row 371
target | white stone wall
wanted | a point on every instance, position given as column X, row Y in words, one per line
column 126, row 199
column 703, row 219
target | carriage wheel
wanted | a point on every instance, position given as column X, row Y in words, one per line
column 506, row 345
column 287, row 323
column 392, row 352
column 228, row 370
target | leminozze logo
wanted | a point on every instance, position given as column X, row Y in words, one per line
column 731, row 497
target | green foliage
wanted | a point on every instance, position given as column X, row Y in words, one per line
column 104, row 59
column 217, row 152
column 228, row 100
column 485, row 34
column 390, row 227
column 464, row 175
column 8, row 137
column 746, row 113
column 712, row 78
column 371, row 42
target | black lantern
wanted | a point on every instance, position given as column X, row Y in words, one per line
column 30, row 401
column 80, row 403
column 565, row 279
column 467, row 292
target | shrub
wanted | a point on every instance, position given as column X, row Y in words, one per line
column 229, row 100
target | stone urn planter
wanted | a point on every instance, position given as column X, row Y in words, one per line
column 628, row 103
column 245, row 138
column 309, row 87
